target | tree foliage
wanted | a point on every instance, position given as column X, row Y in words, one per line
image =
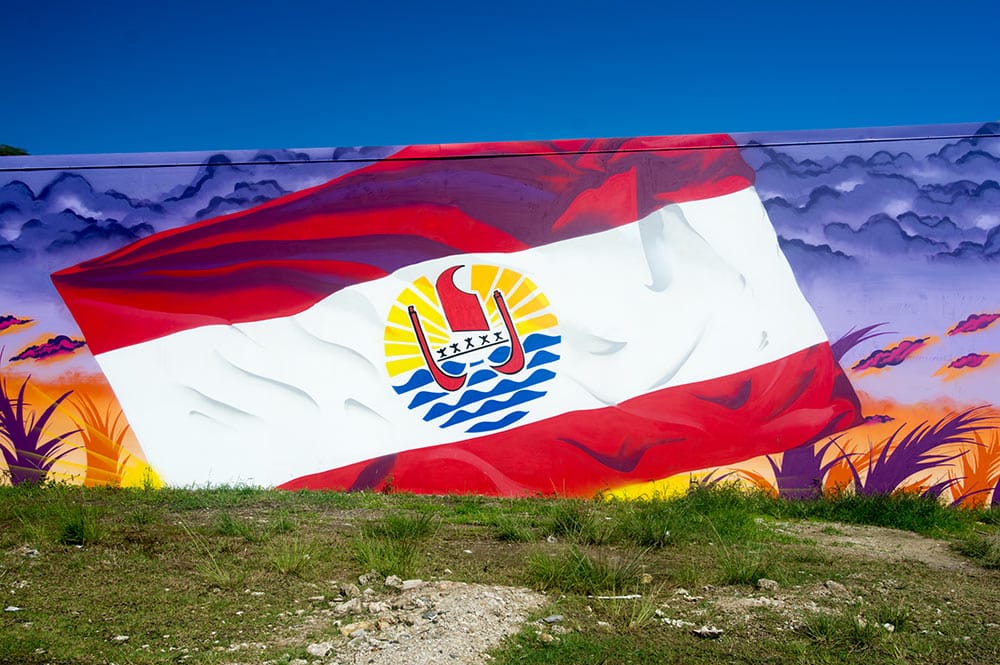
column 11, row 150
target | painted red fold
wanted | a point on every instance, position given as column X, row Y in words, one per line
column 767, row 409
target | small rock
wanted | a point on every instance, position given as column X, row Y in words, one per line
column 546, row 638
column 317, row 599
column 467, row 551
column 889, row 627
column 707, row 632
column 553, row 618
column 378, row 606
column 835, row 587
column 430, row 615
column 29, row 552
column 646, row 579
column 411, row 584
column 551, row 539
column 12, row 608
column 350, row 629
column 369, row 578
column 350, row 590
column 394, row 582
column 604, row 624
column 682, row 592
column 765, row 584
column 320, row 649
column 347, row 607
column 298, row 661
column 120, row 638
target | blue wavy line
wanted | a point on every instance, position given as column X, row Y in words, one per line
column 542, row 358
column 503, row 387
column 537, row 341
column 418, row 379
column 494, row 405
column 509, row 419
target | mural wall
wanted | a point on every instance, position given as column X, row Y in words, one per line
column 805, row 312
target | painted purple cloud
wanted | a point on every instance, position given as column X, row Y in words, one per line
column 879, row 418
column 8, row 321
column 973, row 323
column 55, row 346
column 894, row 355
column 969, row 360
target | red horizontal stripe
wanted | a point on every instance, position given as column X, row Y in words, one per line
column 494, row 202
column 764, row 410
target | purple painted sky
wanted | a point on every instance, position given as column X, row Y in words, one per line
column 121, row 76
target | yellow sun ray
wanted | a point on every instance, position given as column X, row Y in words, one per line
column 536, row 304
column 395, row 367
column 538, row 323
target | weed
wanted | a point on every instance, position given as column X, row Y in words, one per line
column 292, row 557
column 844, row 630
column 574, row 570
column 578, row 521
column 744, row 566
column 402, row 527
column 511, row 529
column 227, row 525
column 143, row 516
column 388, row 557
column 79, row 527
column 896, row 615
column 281, row 523
column 632, row 614
column 214, row 572
column 985, row 549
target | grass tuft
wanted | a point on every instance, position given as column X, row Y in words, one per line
column 401, row 526
column 79, row 526
column 388, row 557
column 292, row 557
column 227, row 525
column 842, row 630
column 574, row 570
column 984, row 548
column 511, row 529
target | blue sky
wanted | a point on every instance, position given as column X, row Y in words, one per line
column 126, row 77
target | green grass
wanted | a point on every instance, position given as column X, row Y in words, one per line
column 574, row 570
column 388, row 557
column 187, row 571
column 983, row 548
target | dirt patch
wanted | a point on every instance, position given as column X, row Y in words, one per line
column 425, row 622
column 878, row 543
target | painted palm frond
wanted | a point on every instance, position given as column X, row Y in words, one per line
column 852, row 338
column 103, row 434
column 891, row 463
column 799, row 475
column 29, row 452
column 979, row 473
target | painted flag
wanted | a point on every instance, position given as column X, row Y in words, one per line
column 509, row 319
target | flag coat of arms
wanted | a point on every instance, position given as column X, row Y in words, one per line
column 512, row 319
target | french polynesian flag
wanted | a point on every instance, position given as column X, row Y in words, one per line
column 507, row 319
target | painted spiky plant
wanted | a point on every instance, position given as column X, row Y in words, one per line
column 980, row 472
column 852, row 338
column 103, row 437
column 27, row 449
column 801, row 471
column 895, row 461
